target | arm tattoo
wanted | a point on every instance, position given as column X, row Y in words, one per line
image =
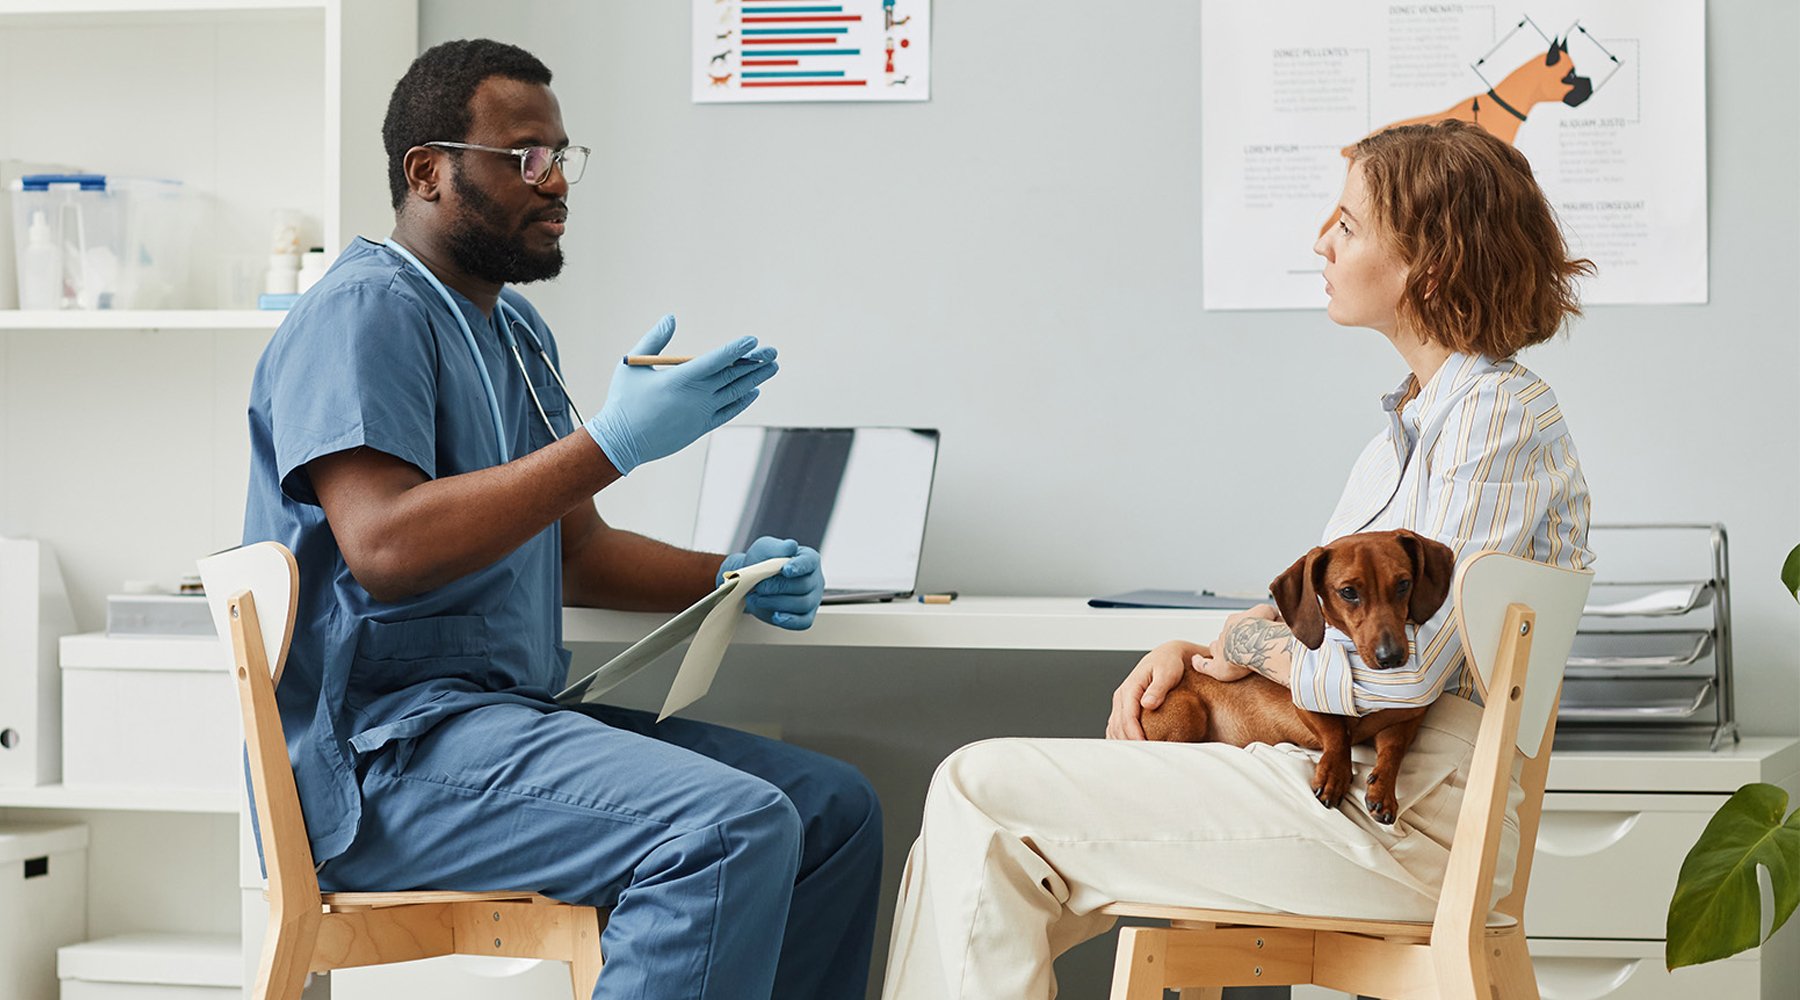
column 1251, row 643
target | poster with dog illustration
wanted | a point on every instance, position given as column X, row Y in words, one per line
column 811, row 50
column 1606, row 99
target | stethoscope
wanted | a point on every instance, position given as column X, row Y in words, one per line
column 513, row 321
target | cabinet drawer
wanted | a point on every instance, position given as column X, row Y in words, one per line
column 1633, row 970
column 455, row 977
column 1619, row 970
column 1605, row 864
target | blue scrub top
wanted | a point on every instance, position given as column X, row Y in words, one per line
column 370, row 357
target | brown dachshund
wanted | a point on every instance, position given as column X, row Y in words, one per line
column 1368, row 586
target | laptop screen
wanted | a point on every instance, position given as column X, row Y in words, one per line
column 858, row 495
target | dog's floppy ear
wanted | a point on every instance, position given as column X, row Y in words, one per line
column 1296, row 593
column 1433, row 565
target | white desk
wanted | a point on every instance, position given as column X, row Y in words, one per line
column 1023, row 623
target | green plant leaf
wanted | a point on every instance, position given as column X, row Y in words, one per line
column 1790, row 573
column 1717, row 909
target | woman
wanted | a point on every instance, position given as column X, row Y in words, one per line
column 1444, row 244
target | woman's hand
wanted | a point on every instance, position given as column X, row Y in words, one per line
column 1154, row 676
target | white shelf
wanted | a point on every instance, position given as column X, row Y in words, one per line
column 1690, row 769
column 110, row 7
column 173, row 800
column 141, row 319
column 1024, row 623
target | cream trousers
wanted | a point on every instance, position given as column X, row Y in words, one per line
column 1024, row 840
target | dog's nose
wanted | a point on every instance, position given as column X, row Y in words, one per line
column 1389, row 654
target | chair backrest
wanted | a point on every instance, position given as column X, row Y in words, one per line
column 1485, row 584
column 1517, row 620
column 253, row 592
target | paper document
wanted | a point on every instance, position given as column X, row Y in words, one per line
column 711, row 621
column 1670, row 601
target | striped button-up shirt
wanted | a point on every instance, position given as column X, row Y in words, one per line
column 1479, row 458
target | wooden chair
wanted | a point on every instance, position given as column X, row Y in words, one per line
column 1517, row 619
column 311, row 932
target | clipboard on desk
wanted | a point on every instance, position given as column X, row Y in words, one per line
column 711, row 621
column 1191, row 600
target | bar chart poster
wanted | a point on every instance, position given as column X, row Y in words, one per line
column 824, row 50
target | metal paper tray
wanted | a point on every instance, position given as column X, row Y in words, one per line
column 1647, row 700
column 1678, row 597
column 1639, row 649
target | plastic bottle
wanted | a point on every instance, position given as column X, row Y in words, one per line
column 40, row 267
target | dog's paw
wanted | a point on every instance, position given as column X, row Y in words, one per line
column 1382, row 803
column 1331, row 782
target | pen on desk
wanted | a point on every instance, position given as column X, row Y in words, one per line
column 647, row 360
column 944, row 598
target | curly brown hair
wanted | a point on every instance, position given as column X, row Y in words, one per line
column 1490, row 272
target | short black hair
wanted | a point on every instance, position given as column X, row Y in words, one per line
column 431, row 102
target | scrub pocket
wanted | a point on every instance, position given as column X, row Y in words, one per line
column 556, row 407
column 393, row 656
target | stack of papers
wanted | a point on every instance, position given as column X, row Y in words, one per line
column 1668, row 601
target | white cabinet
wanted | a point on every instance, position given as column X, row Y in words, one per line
column 1616, row 827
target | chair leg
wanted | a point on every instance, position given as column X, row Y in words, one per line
column 1510, row 970
column 1138, row 965
column 1461, row 970
column 584, row 963
column 1198, row 992
column 286, row 958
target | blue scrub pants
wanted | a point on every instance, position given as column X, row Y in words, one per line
column 736, row 866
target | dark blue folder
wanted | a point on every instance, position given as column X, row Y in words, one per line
column 1201, row 600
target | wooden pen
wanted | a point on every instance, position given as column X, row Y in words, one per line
column 646, row 360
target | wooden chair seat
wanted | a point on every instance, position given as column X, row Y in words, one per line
column 1517, row 621
column 343, row 902
column 311, row 932
column 1393, row 929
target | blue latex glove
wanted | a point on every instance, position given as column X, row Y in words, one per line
column 652, row 413
column 790, row 598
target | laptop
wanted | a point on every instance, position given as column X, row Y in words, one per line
column 857, row 494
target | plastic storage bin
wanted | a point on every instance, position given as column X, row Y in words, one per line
column 43, row 904
column 149, row 713
column 158, row 614
column 153, row 967
column 88, row 241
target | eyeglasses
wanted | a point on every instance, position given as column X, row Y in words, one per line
column 535, row 161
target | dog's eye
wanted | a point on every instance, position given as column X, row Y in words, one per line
column 1348, row 594
column 1405, row 585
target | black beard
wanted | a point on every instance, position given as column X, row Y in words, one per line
column 482, row 247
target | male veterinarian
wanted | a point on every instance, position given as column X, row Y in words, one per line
column 413, row 443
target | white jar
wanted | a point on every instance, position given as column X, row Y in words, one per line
column 283, row 277
column 313, row 266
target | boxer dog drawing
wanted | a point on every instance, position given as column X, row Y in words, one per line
column 1502, row 108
